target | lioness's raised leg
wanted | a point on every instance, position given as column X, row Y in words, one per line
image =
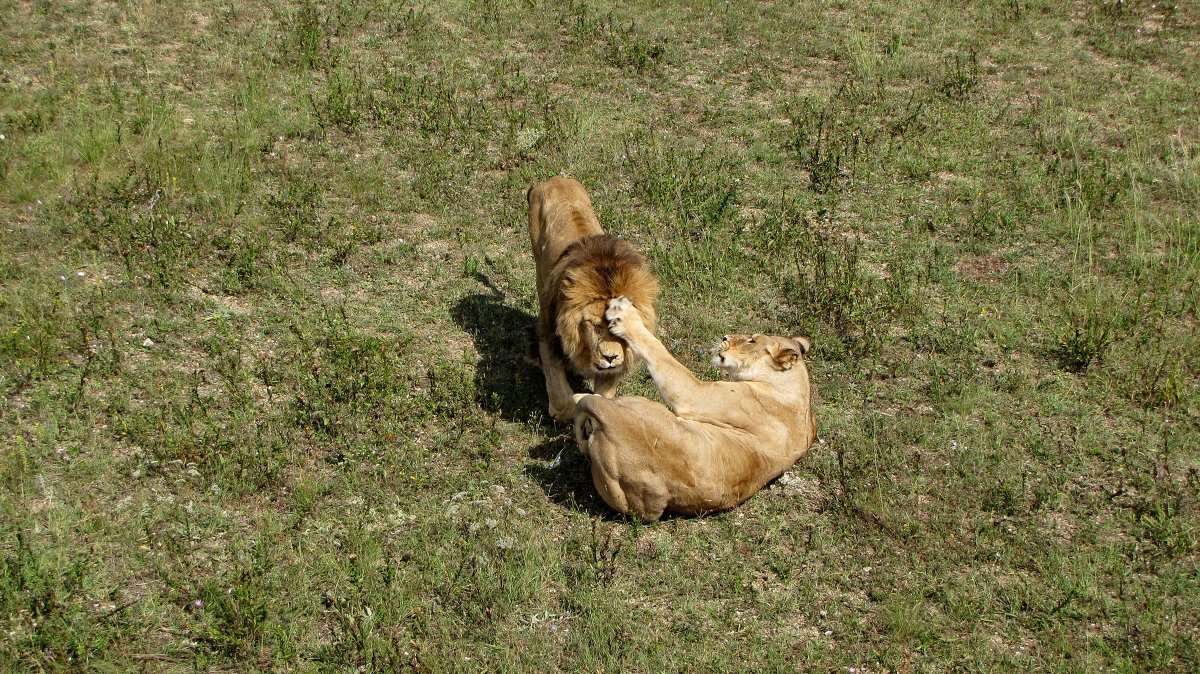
column 682, row 390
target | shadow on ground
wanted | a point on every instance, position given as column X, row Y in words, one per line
column 509, row 385
column 563, row 473
column 506, row 383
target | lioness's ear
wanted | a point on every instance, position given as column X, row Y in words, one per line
column 785, row 357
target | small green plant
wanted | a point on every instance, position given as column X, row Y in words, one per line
column 344, row 99
column 470, row 266
column 834, row 293
column 296, row 209
column 1083, row 340
column 342, row 377
column 696, row 189
column 623, row 44
column 602, row 554
column 627, row 48
column 1155, row 375
column 1003, row 499
column 960, row 76
column 248, row 261
column 1162, row 523
column 991, row 216
column 236, row 609
column 832, row 135
column 304, row 37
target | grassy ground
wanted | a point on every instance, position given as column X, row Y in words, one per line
column 264, row 284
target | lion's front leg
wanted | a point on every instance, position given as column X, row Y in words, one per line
column 681, row 390
column 558, row 388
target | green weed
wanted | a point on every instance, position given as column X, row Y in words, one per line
column 622, row 44
column 960, row 76
column 304, row 36
column 832, row 135
column 850, row 311
column 1083, row 339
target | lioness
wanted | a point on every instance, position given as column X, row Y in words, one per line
column 579, row 269
column 723, row 441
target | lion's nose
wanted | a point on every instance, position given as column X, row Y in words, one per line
column 610, row 357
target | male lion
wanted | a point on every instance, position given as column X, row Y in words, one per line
column 579, row 269
column 724, row 440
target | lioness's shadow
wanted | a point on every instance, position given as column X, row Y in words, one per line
column 563, row 473
column 506, row 382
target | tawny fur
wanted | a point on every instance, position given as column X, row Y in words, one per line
column 717, row 444
column 579, row 269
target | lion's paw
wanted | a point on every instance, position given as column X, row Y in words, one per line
column 618, row 310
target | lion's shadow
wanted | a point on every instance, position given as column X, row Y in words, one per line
column 506, row 383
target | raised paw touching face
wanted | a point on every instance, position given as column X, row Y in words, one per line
column 618, row 312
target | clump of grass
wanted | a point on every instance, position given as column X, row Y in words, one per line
column 344, row 99
column 1162, row 523
column 1083, row 340
column 232, row 612
column 695, row 189
column 1156, row 367
column 342, row 376
column 629, row 48
column 623, row 45
column 1086, row 175
column 691, row 214
column 303, row 37
column 960, row 76
column 249, row 260
column 832, row 135
column 127, row 217
column 52, row 614
column 843, row 302
column 296, row 208
column 991, row 216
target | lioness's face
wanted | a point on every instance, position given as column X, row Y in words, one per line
column 607, row 353
column 751, row 356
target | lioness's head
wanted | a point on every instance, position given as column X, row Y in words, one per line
column 592, row 272
column 758, row 356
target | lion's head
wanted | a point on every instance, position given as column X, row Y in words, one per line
column 758, row 356
column 591, row 272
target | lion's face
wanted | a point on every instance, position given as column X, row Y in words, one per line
column 749, row 357
column 586, row 341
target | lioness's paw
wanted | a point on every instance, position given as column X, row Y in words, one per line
column 618, row 310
